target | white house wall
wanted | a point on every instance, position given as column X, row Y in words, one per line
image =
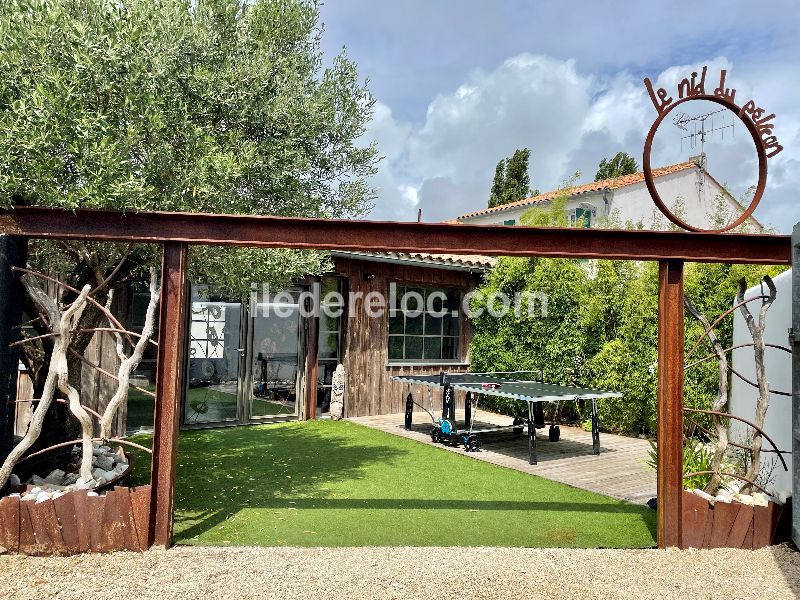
column 632, row 204
column 778, row 366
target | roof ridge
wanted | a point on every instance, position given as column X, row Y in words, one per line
column 612, row 183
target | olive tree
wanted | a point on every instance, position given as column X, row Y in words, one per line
column 219, row 106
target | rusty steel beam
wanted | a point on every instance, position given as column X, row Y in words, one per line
column 333, row 234
column 670, row 403
column 169, row 388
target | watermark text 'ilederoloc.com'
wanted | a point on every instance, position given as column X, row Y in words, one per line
column 411, row 302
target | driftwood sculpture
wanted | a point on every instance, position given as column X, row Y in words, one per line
column 757, row 333
column 63, row 327
column 719, row 402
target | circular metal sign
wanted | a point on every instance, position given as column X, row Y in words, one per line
column 762, row 164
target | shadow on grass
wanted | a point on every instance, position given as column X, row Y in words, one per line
column 210, row 519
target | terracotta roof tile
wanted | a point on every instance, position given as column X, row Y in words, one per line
column 595, row 186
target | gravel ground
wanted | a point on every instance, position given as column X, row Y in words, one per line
column 201, row 572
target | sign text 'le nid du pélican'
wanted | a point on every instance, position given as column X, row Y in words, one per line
column 690, row 87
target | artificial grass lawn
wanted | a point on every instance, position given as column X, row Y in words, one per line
column 329, row 483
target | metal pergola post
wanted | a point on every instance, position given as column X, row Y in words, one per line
column 670, row 402
column 169, row 390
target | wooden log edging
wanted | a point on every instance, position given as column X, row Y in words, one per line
column 728, row 524
column 76, row 522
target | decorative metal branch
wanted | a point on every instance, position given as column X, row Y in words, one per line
column 756, row 385
column 103, row 309
column 734, row 444
column 100, row 369
column 736, row 347
column 82, row 330
column 719, row 402
column 746, row 422
column 719, row 319
column 89, row 410
column 739, row 375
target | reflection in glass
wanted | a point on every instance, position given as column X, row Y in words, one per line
column 329, row 344
column 276, row 345
column 213, row 359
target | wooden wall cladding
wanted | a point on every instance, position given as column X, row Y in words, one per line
column 728, row 524
column 77, row 522
column 369, row 389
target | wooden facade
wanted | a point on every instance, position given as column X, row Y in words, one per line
column 369, row 389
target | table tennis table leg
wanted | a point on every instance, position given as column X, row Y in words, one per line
column 595, row 429
column 468, row 411
column 409, row 409
column 532, row 455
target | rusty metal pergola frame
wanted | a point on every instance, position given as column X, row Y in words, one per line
column 176, row 231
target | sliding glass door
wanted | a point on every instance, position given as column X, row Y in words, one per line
column 215, row 332
column 276, row 355
column 246, row 363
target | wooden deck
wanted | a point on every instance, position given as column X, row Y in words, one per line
column 619, row 471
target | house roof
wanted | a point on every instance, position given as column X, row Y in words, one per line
column 459, row 262
column 595, row 186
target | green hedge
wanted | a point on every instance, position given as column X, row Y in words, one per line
column 601, row 330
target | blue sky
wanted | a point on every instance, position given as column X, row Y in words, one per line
column 461, row 84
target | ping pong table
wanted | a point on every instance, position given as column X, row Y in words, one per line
column 517, row 385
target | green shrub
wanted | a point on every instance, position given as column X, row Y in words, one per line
column 601, row 330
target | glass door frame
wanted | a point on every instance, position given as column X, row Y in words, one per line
column 240, row 375
column 245, row 372
column 246, row 390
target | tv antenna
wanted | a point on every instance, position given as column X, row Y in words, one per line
column 702, row 128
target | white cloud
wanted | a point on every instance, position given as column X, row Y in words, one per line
column 570, row 121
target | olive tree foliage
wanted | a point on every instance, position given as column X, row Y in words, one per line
column 600, row 328
column 219, row 106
